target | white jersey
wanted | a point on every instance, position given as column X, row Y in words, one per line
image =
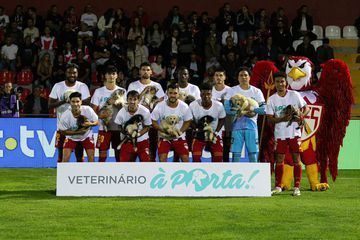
column 276, row 105
column 218, row 95
column 101, row 95
column 191, row 89
column 217, row 111
column 252, row 92
column 139, row 87
column 69, row 122
column 182, row 110
column 123, row 116
column 58, row 91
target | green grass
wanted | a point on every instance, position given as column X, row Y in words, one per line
column 29, row 209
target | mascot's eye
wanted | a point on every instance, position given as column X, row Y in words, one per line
column 302, row 65
column 289, row 65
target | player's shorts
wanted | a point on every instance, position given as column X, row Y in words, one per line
column 105, row 138
column 60, row 138
column 88, row 143
column 179, row 146
column 128, row 154
column 215, row 149
column 293, row 143
column 248, row 137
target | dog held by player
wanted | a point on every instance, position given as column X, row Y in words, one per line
column 134, row 120
column 209, row 118
column 172, row 137
column 76, row 124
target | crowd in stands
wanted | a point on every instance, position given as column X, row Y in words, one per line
column 43, row 45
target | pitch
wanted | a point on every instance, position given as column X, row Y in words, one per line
column 29, row 209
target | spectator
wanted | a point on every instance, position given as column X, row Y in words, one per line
column 82, row 47
column 155, row 37
column 27, row 56
column 142, row 15
column 105, row 22
column 229, row 47
column 136, row 30
column 84, row 68
column 229, row 33
column 71, row 18
column 9, row 101
column 277, row 16
column 44, row 71
column 303, row 24
column 121, row 17
column 212, row 50
column 306, row 49
column 31, row 31
column 282, row 38
column 55, row 18
column 185, row 46
column 8, row 55
column 37, row 19
column 101, row 54
column 58, row 70
column 324, row 52
column 66, row 35
column 226, row 17
column 158, row 69
column 268, row 51
column 89, row 17
column 170, row 45
column 36, row 105
column 69, row 53
column 85, row 33
column 48, row 44
column 261, row 17
column 18, row 16
column 173, row 18
column 4, row 19
column 245, row 22
column 15, row 33
column 231, row 66
column 196, row 68
column 137, row 54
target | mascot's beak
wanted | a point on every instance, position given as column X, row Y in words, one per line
column 296, row 73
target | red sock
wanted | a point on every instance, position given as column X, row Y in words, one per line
column 297, row 175
column 279, row 168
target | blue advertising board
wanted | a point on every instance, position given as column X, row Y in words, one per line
column 30, row 143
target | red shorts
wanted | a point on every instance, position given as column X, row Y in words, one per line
column 88, row 143
column 180, row 147
column 293, row 143
column 215, row 149
column 105, row 138
column 128, row 154
column 60, row 138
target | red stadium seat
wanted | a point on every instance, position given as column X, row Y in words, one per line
column 7, row 76
column 25, row 77
column 94, row 79
column 45, row 92
column 26, row 92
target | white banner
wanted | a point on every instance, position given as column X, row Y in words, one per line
column 164, row 179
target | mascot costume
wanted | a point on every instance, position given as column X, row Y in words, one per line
column 329, row 98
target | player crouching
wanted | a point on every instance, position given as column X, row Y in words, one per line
column 76, row 125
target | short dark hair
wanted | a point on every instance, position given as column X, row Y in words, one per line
column 325, row 41
column 243, row 69
column 133, row 93
column 279, row 74
column 74, row 95
column 220, row 69
column 111, row 69
column 173, row 86
column 145, row 64
column 205, row 86
column 72, row 65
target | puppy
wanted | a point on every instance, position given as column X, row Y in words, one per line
column 168, row 125
column 204, row 131
column 149, row 98
column 131, row 130
column 243, row 105
column 116, row 99
column 187, row 98
column 67, row 94
column 295, row 116
column 80, row 122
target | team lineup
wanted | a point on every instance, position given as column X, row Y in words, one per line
column 147, row 122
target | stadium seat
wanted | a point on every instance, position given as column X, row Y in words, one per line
column 25, row 93
column 333, row 32
column 350, row 32
column 7, row 76
column 45, row 92
column 316, row 43
column 94, row 79
column 152, row 58
column 296, row 43
column 25, row 77
column 318, row 31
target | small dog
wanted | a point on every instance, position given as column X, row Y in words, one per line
column 80, row 122
column 117, row 98
column 67, row 94
column 168, row 125
column 149, row 98
column 295, row 116
column 131, row 130
column 204, row 131
column 187, row 98
column 243, row 105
